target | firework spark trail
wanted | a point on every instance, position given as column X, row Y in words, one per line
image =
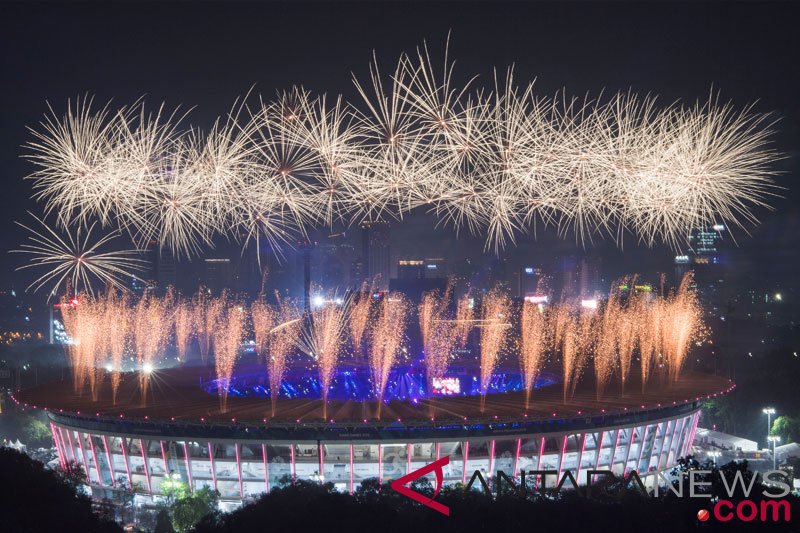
column 649, row 334
column 576, row 348
column 116, row 330
column 264, row 320
column 440, row 335
column 605, row 343
column 227, row 335
column 465, row 315
column 282, row 340
column 496, row 314
column 184, row 328
column 152, row 322
column 207, row 312
column 561, row 317
column 386, row 340
column 626, row 337
column 359, row 318
column 532, row 348
column 684, row 324
column 322, row 340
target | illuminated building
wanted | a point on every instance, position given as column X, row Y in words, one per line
column 242, row 455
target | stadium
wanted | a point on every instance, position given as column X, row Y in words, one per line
column 182, row 434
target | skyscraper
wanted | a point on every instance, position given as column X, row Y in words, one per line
column 375, row 251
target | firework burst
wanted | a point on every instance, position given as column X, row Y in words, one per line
column 76, row 260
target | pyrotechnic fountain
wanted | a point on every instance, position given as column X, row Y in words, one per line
column 322, row 339
column 184, row 328
column 386, row 340
column 495, row 321
column 440, row 334
column 533, row 343
column 106, row 328
column 359, row 318
column 227, row 342
column 277, row 331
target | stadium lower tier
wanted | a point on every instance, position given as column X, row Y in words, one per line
column 242, row 468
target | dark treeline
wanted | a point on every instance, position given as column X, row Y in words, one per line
column 34, row 499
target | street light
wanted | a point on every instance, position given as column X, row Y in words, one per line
column 769, row 411
column 774, row 439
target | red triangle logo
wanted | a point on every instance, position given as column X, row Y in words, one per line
column 399, row 485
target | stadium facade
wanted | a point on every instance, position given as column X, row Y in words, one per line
column 242, row 462
column 242, row 456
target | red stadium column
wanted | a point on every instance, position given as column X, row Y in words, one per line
column 580, row 456
column 123, row 446
column 108, row 458
column 294, row 466
column 661, row 448
column 561, row 458
column 491, row 461
column 614, row 451
column 61, row 461
column 641, row 449
column 653, row 448
column 83, row 456
column 213, row 468
column 466, row 454
column 351, row 468
column 598, row 448
column 67, row 446
column 96, row 460
column 673, row 443
column 631, row 441
column 164, row 457
column 239, row 469
column 408, row 458
column 146, row 467
column 516, row 457
column 380, row 464
column 321, row 453
column 266, row 467
column 188, row 466
column 539, row 461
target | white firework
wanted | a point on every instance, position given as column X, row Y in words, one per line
column 77, row 260
column 496, row 163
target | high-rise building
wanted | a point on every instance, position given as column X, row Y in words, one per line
column 375, row 251
column 528, row 281
column 331, row 265
column 581, row 277
column 435, row 267
column 708, row 262
column 410, row 269
column 591, row 278
column 217, row 272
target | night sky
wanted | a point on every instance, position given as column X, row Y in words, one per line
column 204, row 56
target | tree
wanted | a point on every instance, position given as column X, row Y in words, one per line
column 33, row 498
column 37, row 433
column 788, row 427
column 163, row 522
column 191, row 508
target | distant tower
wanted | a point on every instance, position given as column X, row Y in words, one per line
column 217, row 274
column 376, row 251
